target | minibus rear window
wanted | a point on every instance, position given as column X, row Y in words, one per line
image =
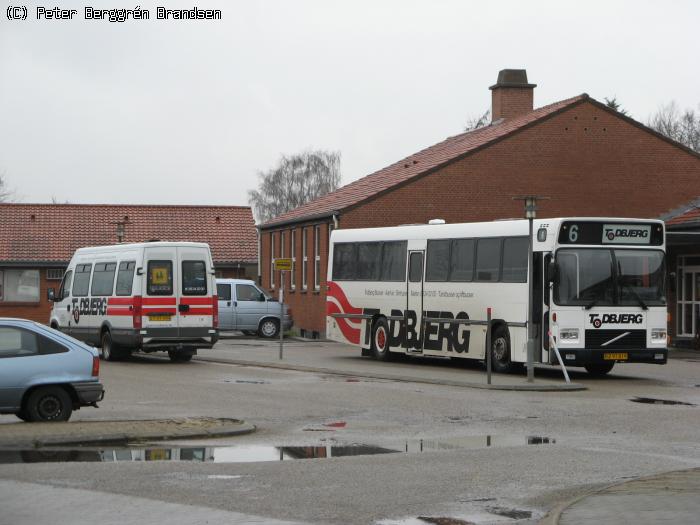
column 194, row 278
column 160, row 277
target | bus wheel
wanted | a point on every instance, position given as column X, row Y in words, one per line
column 380, row 340
column 599, row 369
column 109, row 353
column 500, row 351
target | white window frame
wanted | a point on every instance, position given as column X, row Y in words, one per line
column 272, row 259
column 304, row 259
column 317, row 257
column 3, row 287
column 682, row 302
column 55, row 274
column 293, row 242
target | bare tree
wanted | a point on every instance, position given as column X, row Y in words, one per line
column 5, row 192
column 681, row 126
column 296, row 180
column 478, row 121
column 613, row 103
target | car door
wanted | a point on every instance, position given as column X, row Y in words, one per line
column 227, row 311
column 251, row 306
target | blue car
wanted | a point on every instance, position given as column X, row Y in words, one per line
column 44, row 374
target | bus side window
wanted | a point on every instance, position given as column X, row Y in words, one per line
column 415, row 267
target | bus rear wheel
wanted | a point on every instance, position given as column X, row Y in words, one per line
column 500, row 351
column 380, row 340
column 599, row 369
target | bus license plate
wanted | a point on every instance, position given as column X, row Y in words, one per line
column 620, row 356
column 159, row 317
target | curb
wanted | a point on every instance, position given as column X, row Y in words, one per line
column 552, row 517
column 531, row 387
column 237, row 429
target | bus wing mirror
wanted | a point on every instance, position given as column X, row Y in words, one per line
column 51, row 294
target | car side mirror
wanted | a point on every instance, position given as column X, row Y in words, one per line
column 51, row 294
column 262, row 297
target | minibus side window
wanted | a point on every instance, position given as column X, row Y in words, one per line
column 81, row 284
column 103, row 279
column 125, row 278
column 160, row 278
column 194, row 278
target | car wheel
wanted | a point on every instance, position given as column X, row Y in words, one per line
column 500, row 351
column 269, row 328
column 50, row 403
column 380, row 340
column 22, row 415
column 599, row 369
column 179, row 357
column 109, row 352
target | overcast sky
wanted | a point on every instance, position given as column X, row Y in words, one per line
column 187, row 112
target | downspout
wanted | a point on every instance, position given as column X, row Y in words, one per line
column 257, row 228
column 335, row 221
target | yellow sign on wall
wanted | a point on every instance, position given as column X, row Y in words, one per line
column 283, row 264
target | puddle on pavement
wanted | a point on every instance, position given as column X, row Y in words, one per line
column 653, row 401
column 254, row 453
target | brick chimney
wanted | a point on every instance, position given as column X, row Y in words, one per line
column 511, row 95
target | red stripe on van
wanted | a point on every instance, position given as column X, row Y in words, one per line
column 120, row 301
column 159, row 300
column 118, row 311
column 159, row 310
column 199, row 311
column 196, row 300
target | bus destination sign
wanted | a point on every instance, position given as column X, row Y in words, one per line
column 585, row 232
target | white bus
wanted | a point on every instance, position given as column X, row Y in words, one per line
column 599, row 285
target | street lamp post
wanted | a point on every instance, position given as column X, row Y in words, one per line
column 530, row 214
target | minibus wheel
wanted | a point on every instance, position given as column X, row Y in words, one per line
column 380, row 340
column 599, row 369
column 500, row 351
column 108, row 350
column 179, row 357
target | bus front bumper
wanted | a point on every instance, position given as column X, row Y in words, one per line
column 584, row 356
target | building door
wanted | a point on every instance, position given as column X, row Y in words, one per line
column 688, row 293
column 413, row 315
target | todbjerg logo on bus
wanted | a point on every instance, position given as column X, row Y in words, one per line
column 598, row 320
column 614, row 233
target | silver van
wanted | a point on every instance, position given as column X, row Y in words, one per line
column 244, row 306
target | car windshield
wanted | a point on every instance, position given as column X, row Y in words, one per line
column 603, row 277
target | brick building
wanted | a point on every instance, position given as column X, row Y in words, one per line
column 589, row 159
column 38, row 240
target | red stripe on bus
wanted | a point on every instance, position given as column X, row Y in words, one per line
column 120, row 301
column 338, row 294
column 199, row 311
column 196, row 300
column 351, row 333
column 119, row 311
column 159, row 310
column 159, row 300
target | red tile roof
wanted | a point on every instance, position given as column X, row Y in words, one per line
column 52, row 232
column 688, row 217
column 418, row 164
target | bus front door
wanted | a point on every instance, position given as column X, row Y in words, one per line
column 413, row 315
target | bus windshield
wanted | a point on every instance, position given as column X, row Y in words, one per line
column 608, row 277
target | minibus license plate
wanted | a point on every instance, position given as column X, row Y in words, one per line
column 620, row 356
column 159, row 317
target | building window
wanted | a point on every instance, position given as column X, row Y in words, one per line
column 293, row 278
column 272, row 260
column 688, row 291
column 317, row 257
column 304, row 260
column 282, row 252
column 54, row 274
column 20, row 286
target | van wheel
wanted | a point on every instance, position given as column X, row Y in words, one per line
column 50, row 403
column 380, row 340
column 179, row 357
column 109, row 352
column 599, row 369
column 269, row 328
column 500, row 351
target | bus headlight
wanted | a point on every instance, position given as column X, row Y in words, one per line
column 658, row 335
column 568, row 335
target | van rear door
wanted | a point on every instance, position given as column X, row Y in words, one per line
column 195, row 305
column 160, row 316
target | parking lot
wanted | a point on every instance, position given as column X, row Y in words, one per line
column 479, row 455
